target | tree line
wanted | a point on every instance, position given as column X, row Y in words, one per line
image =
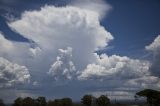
column 87, row 100
column 152, row 98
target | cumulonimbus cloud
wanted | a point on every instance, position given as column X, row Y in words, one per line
column 81, row 31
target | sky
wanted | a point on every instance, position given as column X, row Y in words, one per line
column 69, row 48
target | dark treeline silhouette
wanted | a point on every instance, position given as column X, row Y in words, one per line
column 87, row 100
column 152, row 97
column 28, row 101
column 60, row 102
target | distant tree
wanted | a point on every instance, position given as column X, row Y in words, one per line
column 87, row 100
column 57, row 102
column 66, row 102
column 1, row 102
column 102, row 101
column 28, row 101
column 50, row 103
column 41, row 101
column 153, row 96
column 18, row 102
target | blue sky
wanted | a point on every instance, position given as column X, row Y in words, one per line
column 59, row 48
column 134, row 22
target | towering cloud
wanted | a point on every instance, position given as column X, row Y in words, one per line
column 49, row 21
column 154, row 48
column 63, row 67
column 53, row 27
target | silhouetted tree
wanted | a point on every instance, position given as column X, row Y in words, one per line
column 1, row 102
column 66, row 102
column 50, row 103
column 18, row 102
column 102, row 101
column 87, row 100
column 57, row 102
column 41, row 101
column 28, row 102
column 153, row 96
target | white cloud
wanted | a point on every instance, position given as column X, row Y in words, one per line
column 99, row 6
column 35, row 51
column 44, row 27
column 5, row 45
column 154, row 48
column 52, row 28
column 12, row 74
column 13, row 57
column 13, row 50
column 155, row 45
column 108, row 67
column 63, row 67
column 121, row 72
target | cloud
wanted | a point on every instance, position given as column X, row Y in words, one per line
column 99, row 6
column 49, row 21
column 12, row 74
column 120, row 72
column 65, row 40
column 15, row 51
column 6, row 46
column 154, row 48
column 63, row 67
column 148, row 81
column 108, row 67
column 35, row 51
column 155, row 45
column 53, row 27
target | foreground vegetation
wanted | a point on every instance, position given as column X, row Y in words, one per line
column 152, row 97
